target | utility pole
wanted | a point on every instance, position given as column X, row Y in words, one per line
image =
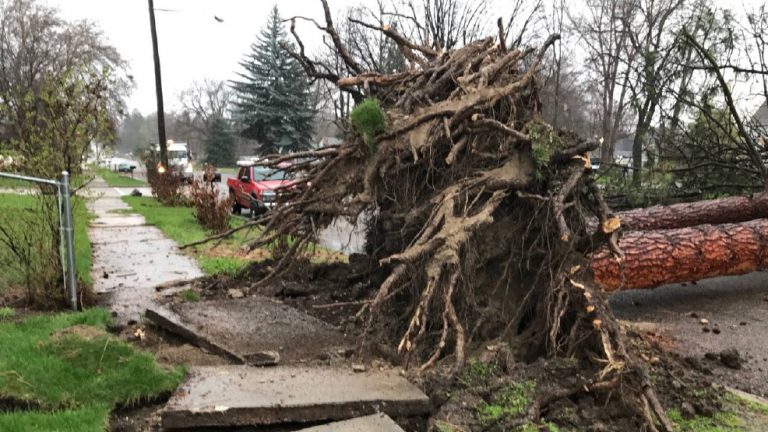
column 158, row 89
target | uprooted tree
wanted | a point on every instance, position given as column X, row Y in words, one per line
column 478, row 214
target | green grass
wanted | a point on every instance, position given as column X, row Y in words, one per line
column 738, row 415
column 17, row 212
column 178, row 223
column 228, row 170
column 720, row 422
column 229, row 266
column 82, row 378
column 6, row 183
column 71, row 372
column 83, row 250
column 190, row 296
column 509, row 402
column 114, row 179
column 750, row 405
column 7, row 312
column 477, row 373
column 88, row 419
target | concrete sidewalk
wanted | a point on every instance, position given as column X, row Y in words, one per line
column 231, row 396
column 130, row 257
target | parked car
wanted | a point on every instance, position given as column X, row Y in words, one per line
column 126, row 168
column 254, row 188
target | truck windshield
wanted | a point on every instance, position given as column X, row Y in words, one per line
column 267, row 174
column 177, row 154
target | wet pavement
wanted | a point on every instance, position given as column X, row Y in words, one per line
column 249, row 329
column 243, row 396
column 130, row 258
column 736, row 312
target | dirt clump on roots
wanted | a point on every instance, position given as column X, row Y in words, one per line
column 477, row 234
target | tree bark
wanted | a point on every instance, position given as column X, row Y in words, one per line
column 718, row 211
column 654, row 258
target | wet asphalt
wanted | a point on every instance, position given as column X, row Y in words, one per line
column 735, row 314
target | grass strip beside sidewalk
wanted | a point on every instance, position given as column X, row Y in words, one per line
column 68, row 365
column 180, row 225
column 115, row 179
column 226, row 258
column 88, row 419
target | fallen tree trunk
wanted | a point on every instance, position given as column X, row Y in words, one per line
column 654, row 258
column 718, row 211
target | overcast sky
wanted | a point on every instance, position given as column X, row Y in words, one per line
column 193, row 45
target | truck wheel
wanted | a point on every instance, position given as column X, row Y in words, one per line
column 253, row 208
column 236, row 208
column 256, row 211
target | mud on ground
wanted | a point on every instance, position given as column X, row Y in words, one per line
column 483, row 397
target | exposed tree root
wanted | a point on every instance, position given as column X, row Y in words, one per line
column 475, row 208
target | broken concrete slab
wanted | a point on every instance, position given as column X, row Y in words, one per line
column 172, row 322
column 246, row 329
column 242, row 396
column 372, row 423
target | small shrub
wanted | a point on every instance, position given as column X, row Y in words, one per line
column 210, row 209
column 368, row 119
column 544, row 143
column 167, row 188
column 7, row 312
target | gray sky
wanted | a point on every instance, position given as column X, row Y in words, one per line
column 193, row 45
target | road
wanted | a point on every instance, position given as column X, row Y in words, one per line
column 737, row 306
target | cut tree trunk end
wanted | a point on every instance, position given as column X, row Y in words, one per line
column 655, row 258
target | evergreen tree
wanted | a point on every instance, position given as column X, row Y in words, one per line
column 220, row 144
column 272, row 103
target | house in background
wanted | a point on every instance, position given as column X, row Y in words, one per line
column 761, row 115
column 622, row 153
column 759, row 119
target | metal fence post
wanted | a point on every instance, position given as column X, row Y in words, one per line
column 69, row 240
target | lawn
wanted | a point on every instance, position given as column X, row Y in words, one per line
column 89, row 419
column 74, row 372
column 19, row 213
column 114, row 179
column 6, row 183
column 180, row 225
column 228, row 170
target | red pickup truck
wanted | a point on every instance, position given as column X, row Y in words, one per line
column 254, row 189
